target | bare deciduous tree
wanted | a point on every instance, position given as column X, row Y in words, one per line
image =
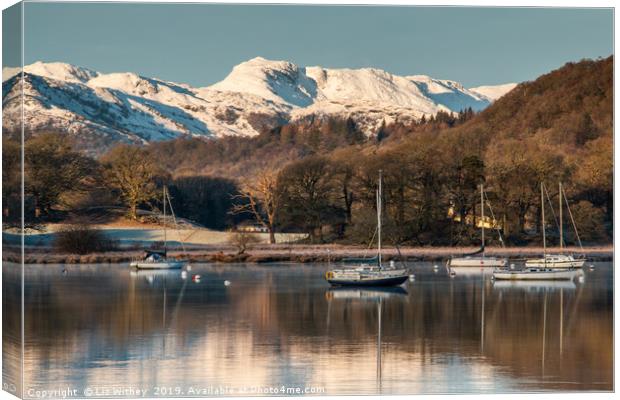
column 260, row 198
column 242, row 241
column 131, row 171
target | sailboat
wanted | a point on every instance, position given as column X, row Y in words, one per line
column 158, row 259
column 558, row 260
column 370, row 274
column 478, row 258
column 536, row 272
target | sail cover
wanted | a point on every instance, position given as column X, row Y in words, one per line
column 479, row 251
column 361, row 260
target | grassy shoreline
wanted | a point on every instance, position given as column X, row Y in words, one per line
column 292, row 253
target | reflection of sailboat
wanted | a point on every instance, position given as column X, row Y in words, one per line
column 478, row 259
column 535, row 285
column 366, row 274
column 482, row 319
column 544, row 334
column 373, row 294
column 158, row 259
column 153, row 276
column 377, row 294
column 559, row 260
column 537, row 273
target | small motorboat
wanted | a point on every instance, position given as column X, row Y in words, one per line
column 535, row 274
column 155, row 259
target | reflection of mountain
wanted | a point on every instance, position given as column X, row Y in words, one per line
column 100, row 325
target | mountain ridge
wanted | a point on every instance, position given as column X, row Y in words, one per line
column 257, row 95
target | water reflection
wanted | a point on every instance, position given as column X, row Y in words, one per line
column 282, row 325
column 372, row 295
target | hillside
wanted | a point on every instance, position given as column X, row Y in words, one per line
column 556, row 128
column 323, row 170
column 565, row 109
column 568, row 106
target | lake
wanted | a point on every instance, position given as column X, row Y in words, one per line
column 106, row 331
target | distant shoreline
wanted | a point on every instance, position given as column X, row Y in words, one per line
column 294, row 253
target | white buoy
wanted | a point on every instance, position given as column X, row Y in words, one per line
column 189, row 267
column 581, row 279
column 591, row 267
column 183, row 274
column 512, row 266
column 412, row 277
column 435, row 266
column 226, row 283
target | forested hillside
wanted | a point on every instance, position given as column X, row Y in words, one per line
column 319, row 174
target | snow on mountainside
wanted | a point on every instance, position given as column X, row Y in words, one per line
column 257, row 95
column 494, row 92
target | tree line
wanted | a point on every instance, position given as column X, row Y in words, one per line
column 430, row 189
column 319, row 175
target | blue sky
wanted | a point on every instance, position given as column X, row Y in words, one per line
column 199, row 43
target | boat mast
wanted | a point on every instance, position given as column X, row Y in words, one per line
column 561, row 227
column 379, row 217
column 164, row 198
column 482, row 214
column 542, row 204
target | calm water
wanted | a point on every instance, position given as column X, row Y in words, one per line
column 110, row 332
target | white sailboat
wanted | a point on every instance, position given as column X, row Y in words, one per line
column 367, row 274
column 558, row 260
column 537, row 273
column 475, row 260
column 158, row 259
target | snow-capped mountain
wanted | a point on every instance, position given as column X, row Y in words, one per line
column 258, row 94
column 493, row 92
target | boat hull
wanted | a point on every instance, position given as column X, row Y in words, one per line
column 471, row 271
column 477, row 262
column 369, row 282
column 558, row 275
column 158, row 265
